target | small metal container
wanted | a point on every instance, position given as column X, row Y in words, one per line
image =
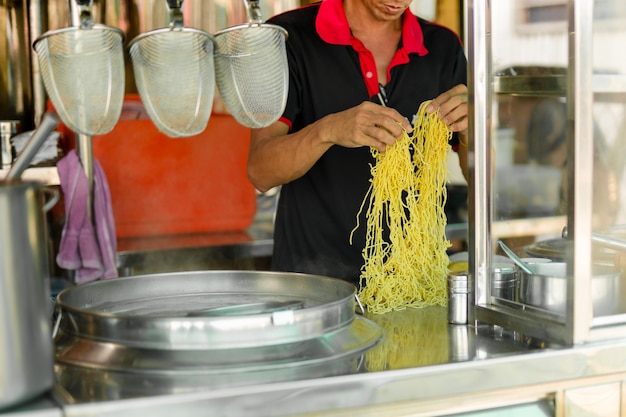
column 460, row 289
column 504, row 282
column 8, row 129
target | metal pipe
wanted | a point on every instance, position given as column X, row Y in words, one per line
column 479, row 164
column 578, row 310
column 85, row 154
column 39, row 92
column 15, row 82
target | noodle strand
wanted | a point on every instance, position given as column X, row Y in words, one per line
column 407, row 194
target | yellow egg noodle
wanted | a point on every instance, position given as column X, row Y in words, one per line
column 407, row 194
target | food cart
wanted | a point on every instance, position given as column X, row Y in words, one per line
column 516, row 356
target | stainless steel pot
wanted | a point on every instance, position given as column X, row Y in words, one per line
column 547, row 289
column 26, row 351
column 180, row 311
column 187, row 331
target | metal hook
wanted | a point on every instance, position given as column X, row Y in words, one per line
column 254, row 11
column 86, row 18
column 176, row 14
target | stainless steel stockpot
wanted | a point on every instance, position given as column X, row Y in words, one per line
column 187, row 331
column 185, row 311
column 548, row 288
column 26, row 348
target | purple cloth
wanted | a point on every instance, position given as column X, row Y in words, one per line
column 87, row 247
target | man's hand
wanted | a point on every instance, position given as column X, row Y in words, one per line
column 452, row 106
column 367, row 124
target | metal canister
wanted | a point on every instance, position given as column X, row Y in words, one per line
column 504, row 279
column 460, row 289
column 26, row 348
column 8, row 129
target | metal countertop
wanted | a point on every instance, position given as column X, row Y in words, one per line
column 421, row 356
column 421, row 364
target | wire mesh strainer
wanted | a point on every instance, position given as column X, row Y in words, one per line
column 175, row 75
column 83, row 71
column 251, row 70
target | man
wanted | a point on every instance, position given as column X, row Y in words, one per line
column 344, row 58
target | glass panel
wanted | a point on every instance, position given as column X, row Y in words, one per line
column 549, row 153
column 609, row 140
column 529, row 145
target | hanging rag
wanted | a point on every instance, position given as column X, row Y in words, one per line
column 87, row 247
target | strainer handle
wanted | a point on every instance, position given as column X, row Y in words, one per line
column 254, row 11
column 86, row 19
column 176, row 14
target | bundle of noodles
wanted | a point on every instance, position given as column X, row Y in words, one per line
column 409, row 267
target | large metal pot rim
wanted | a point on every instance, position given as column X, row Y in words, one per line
column 325, row 313
column 600, row 271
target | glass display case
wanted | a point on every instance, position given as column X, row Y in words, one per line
column 547, row 150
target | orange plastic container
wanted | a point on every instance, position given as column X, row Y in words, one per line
column 168, row 186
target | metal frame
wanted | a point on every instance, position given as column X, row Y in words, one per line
column 578, row 325
column 579, row 132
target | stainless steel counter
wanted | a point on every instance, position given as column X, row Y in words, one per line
column 422, row 366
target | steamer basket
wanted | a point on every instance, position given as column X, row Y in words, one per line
column 83, row 72
column 175, row 77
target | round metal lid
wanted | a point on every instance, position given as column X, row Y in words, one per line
column 556, row 250
column 207, row 309
column 552, row 248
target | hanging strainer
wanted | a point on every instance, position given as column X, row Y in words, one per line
column 175, row 75
column 83, row 71
column 251, row 70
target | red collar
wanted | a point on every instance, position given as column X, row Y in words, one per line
column 332, row 26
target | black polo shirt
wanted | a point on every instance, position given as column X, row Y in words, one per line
column 331, row 71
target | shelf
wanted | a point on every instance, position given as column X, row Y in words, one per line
column 555, row 85
column 536, row 85
column 45, row 175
